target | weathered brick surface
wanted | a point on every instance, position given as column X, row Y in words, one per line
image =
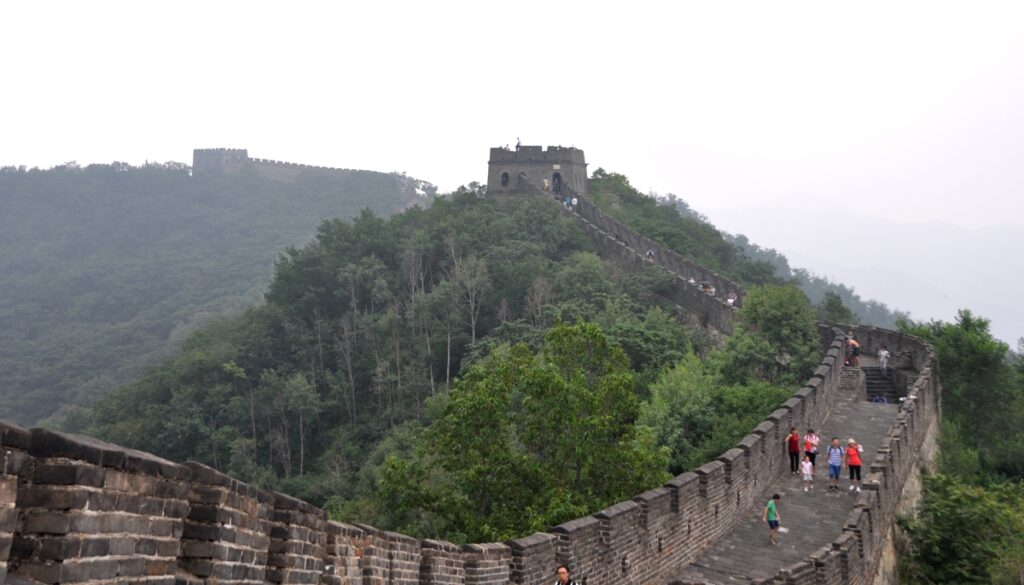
column 226, row 534
column 14, row 444
column 487, row 564
column 533, row 559
column 90, row 511
column 298, row 542
column 441, row 563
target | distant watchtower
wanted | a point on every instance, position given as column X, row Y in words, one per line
column 218, row 160
column 558, row 167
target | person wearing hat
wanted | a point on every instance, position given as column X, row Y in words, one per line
column 853, row 462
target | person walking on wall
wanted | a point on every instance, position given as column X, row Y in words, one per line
column 793, row 447
column 772, row 517
column 835, row 463
column 807, row 468
column 883, row 360
column 811, row 445
column 563, row 577
column 853, row 453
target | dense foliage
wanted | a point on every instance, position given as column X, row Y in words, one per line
column 401, row 368
column 107, row 268
column 672, row 222
column 699, row 409
column 365, row 323
column 970, row 526
column 686, row 234
column 560, row 422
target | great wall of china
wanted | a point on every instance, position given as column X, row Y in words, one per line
column 77, row 510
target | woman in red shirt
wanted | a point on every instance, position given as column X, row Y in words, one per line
column 792, row 441
column 852, row 460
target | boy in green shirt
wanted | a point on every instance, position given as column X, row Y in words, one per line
column 771, row 515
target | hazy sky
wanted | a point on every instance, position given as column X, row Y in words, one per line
column 765, row 116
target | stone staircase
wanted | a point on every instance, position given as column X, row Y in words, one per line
column 885, row 385
column 707, row 300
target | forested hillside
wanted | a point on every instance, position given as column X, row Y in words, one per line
column 672, row 222
column 398, row 362
column 105, row 269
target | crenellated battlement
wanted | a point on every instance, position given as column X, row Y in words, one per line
column 222, row 161
column 512, row 170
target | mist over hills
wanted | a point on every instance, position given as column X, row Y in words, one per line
column 929, row 269
column 104, row 269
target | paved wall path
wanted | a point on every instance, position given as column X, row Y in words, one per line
column 812, row 518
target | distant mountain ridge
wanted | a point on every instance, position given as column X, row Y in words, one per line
column 105, row 268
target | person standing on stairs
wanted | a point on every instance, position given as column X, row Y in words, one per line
column 883, row 360
column 852, row 351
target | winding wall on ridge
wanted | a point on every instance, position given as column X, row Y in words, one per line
column 77, row 510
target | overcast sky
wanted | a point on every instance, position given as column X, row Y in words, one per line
column 765, row 116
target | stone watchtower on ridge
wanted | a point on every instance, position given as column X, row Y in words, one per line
column 558, row 166
column 219, row 160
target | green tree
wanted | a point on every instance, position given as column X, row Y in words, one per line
column 832, row 309
column 965, row 534
column 774, row 341
column 982, row 396
column 556, row 422
column 699, row 419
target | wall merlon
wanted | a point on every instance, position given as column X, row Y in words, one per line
column 618, row 510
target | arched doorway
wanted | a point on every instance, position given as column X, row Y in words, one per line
column 556, row 182
column 504, row 179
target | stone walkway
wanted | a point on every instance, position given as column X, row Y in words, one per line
column 813, row 518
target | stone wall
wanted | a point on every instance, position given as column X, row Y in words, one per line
column 663, row 256
column 87, row 511
column 855, row 556
column 613, row 239
column 76, row 510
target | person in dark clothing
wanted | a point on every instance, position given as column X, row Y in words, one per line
column 793, row 446
column 564, row 578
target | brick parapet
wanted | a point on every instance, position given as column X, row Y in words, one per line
column 14, row 445
column 859, row 547
column 89, row 511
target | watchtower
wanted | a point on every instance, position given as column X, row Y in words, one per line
column 219, row 160
column 557, row 167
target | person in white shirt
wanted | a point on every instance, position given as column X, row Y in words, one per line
column 883, row 359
